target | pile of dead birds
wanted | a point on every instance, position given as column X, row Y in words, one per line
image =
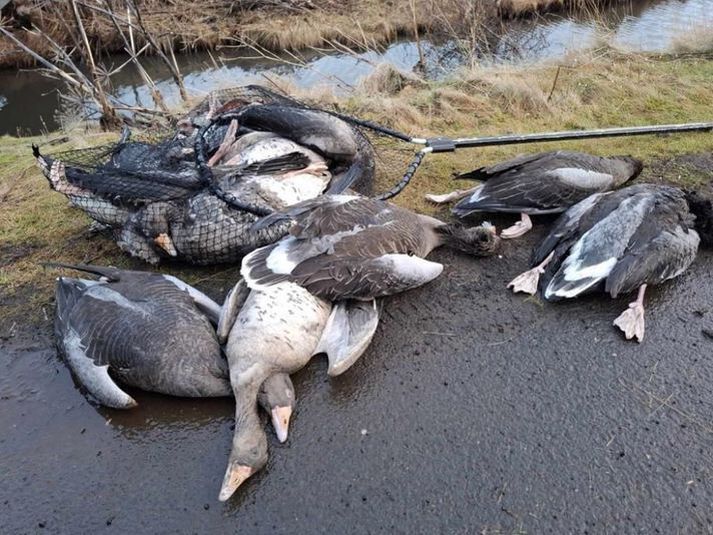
column 194, row 194
column 314, row 288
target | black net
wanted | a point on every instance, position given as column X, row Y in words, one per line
column 194, row 191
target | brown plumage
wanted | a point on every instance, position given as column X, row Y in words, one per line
column 354, row 247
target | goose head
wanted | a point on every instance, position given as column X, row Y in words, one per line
column 625, row 168
column 477, row 241
column 277, row 396
column 701, row 206
column 247, row 456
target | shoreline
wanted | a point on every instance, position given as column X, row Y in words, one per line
column 308, row 24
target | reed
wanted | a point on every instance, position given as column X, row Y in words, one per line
column 276, row 25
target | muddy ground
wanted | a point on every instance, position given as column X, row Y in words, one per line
column 474, row 410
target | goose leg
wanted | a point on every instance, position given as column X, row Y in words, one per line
column 449, row 197
column 518, row 229
column 315, row 168
column 631, row 321
column 165, row 242
column 226, row 144
column 527, row 282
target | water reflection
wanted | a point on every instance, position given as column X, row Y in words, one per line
column 645, row 25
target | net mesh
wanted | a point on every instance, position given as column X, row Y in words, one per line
column 158, row 197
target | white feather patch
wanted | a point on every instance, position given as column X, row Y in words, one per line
column 582, row 178
column 279, row 261
column 478, row 195
column 411, row 269
column 94, row 378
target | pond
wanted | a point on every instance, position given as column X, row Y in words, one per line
column 29, row 102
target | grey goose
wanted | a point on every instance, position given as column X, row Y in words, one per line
column 150, row 331
column 542, row 183
column 619, row 242
column 314, row 292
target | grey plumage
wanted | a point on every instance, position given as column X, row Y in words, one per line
column 545, row 183
column 618, row 241
column 345, row 246
column 150, row 331
column 142, row 327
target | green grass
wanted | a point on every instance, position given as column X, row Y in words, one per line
column 37, row 225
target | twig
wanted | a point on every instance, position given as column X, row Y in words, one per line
column 108, row 113
column 7, row 188
column 554, row 82
column 665, row 402
column 421, row 57
column 131, row 50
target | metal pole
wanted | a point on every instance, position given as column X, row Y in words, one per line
column 511, row 139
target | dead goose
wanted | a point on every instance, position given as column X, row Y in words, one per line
column 314, row 292
column 619, row 241
column 119, row 323
column 277, row 331
column 544, row 183
column 352, row 247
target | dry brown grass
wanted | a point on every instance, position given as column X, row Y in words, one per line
column 600, row 90
column 697, row 41
column 190, row 25
column 604, row 89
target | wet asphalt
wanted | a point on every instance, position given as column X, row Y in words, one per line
column 474, row 410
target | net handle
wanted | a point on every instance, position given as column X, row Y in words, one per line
column 408, row 175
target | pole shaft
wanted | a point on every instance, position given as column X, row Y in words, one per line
column 511, row 139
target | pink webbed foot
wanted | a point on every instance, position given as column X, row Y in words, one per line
column 527, row 282
column 449, row 197
column 518, row 229
column 631, row 321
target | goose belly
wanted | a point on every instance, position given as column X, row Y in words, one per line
column 294, row 188
column 281, row 325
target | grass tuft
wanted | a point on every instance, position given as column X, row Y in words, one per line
column 602, row 90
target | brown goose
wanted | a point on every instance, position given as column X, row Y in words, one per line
column 276, row 332
column 543, row 183
column 314, row 292
column 351, row 247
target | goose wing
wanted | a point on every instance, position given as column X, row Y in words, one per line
column 665, row 257
column 661, row 249
column 595, row 253
column 79, row 334
column 123, row 188
column 346, row 247
column 327, row 214
column 335, row 277
column 488, row 172
column 566, row 227
column 347, row 334
column 547, row 183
